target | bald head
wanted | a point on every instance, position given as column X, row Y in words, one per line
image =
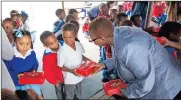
column 100, row 27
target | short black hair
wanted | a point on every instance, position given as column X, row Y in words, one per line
column 7, row 20
column 45, row 35
column 133, row 17
column 59, row 12
column 75, row 23
column 14, row 13
column 69, row 17
column 169, row 28
column 127, row 23
column 119, row 15
column 69, row 27
column 71, row 11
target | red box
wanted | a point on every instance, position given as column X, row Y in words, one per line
column 32, row 78
column 161, row 40
column 86, row 68
column 113, row 87
column 156, row 29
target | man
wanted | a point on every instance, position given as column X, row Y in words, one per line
column 139, row 60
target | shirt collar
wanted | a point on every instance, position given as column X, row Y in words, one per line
column 19, row 55
column 48, row 50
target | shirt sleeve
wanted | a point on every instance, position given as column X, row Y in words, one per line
column 61, row 58
column 82, row 48
column 7, row 49
column 140, row 64
column 35, row 66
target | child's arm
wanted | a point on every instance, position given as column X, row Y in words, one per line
column 68, row 70
column 85, row 58
column 172, row 44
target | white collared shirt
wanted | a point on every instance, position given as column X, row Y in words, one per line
column 19, row 55
column 71, row 59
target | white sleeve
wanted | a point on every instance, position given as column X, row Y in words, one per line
column 60, row 58
column 82, row 48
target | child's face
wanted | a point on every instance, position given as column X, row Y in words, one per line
column 22, row 18
column 52, row 43
column 113, row 14
column 8, row 27
column 69, row 37
column 62, row 16
column 23, row 44
column 15, row 18
column 75, row 14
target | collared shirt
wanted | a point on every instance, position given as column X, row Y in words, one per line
column 147, row 67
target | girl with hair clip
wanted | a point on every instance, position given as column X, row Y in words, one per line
column 24, row 60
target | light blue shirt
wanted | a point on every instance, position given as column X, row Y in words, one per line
column 149, row 70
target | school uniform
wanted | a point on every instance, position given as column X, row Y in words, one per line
column 145, row 65
column 58, row 25
column 71, row 59
column 52, row 73
column 20, row 64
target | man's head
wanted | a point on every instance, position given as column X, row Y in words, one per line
column 69, row 33
column 120, row 17
column 137, row 20
column 60, row 13
column 49, row 40
column 120, row 9
column 113, row 13
column 73, row 12
column 103, row 9
column 8, row 26
column 99, row 29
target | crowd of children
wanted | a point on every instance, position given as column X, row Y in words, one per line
column 64, row 52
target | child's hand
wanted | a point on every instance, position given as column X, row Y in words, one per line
column 75, row 73
column 167, row 43
column 19, row 75
column 98, row 67
column 57, row 84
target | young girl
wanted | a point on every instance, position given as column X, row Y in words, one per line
column 69, row 57
column 24, row 60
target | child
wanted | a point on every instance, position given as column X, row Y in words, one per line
column 119, row 18
column 8, row 26
column 52, row 73
column 60, row 13
column 24, row 60
column 127, row 23
column 74, row 12
column 70, row 56
column 137, row 20
column 172, row 31
column 85, row 28
column 69, row 17
column 77, row 26
column 15, row 17
column 113, row 13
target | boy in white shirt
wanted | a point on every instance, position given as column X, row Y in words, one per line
column 70, row 56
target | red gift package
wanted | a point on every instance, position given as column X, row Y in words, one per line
column 86, row 68
column 161, row 40
column 156, row 29
column 32, row 78
column 113, row 87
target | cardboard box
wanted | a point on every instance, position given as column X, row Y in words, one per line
column 32, row 78
column 113, row 87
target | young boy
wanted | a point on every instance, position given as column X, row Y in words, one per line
column 119, row 18
column 137, row 20
column 113, row 13
column 77, row 26
column 8, row 26
column 15, row 17
column 60, row 13
column 74, row 12
column 52, row 73
column 70, row 56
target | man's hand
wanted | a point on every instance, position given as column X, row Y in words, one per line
column 98, row 67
